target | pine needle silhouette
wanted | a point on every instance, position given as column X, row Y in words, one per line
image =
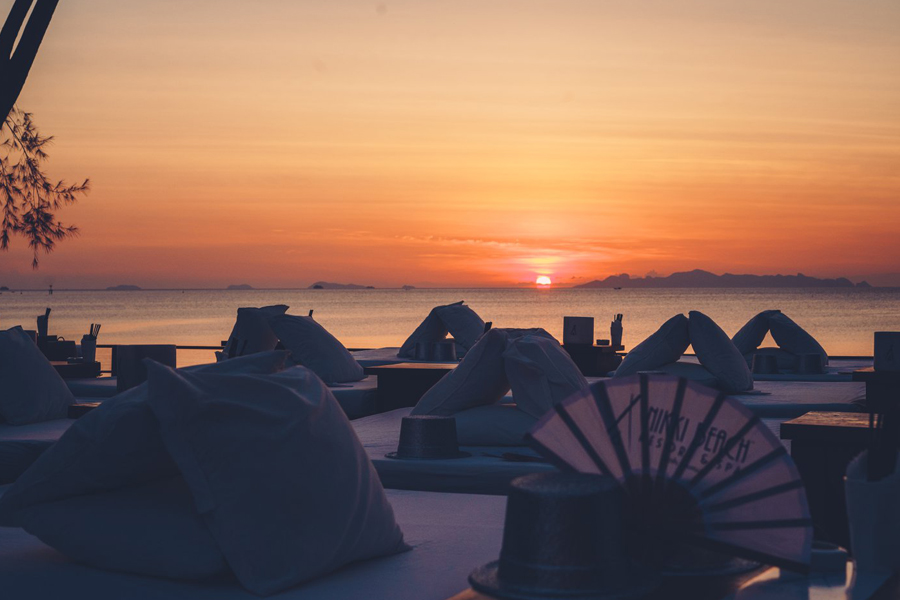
column 28, row 198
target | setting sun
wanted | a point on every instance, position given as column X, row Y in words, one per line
column 543, row 280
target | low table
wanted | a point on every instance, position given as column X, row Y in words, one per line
column 822, row 445
column 594, row 361
column 402, row 384
column 76, row 370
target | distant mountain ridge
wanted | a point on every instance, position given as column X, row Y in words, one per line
column 327, row 285
column 704, row 279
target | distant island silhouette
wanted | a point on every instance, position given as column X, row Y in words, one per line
column 704, row 279
column 240, row 286
column 123, row 288
column 327, row 285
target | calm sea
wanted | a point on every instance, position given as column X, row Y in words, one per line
column 842, row 320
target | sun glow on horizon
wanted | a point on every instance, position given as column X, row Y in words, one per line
column 543, row 280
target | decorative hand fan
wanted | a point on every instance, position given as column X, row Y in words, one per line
column 698, row 467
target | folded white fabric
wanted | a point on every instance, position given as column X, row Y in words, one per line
column 148, row 529
column 463, row 324
column 31, row 390
column 750, row 336
column 493, row 425
column 479, row 379
column 277, row 473
column 251, row 332
column 514, row 333
column 118, row 444
column 312, row 346
column 793, row 338
column 540, row 373
column 718, row 354
column 665, row 346
column 459, row 320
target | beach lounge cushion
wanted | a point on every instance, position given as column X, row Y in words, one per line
column 463, row 324
column 793, row 338
column 513, row 333
column 479, row 379
column 540, row 373
column 312, row 346
column 276, row 471
column 665, row 346
column 751, row 335
column 149, row 529
column 252, row 332
column 493, row 425
column 17, row 455
column 691, row 371
column 432, row 329
column 718, row 354
column 115, row 445
column 31, row 390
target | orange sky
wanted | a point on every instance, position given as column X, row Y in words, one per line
column 280, row 142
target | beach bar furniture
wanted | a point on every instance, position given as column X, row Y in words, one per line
column 822, row 445
column 403, row 384
column 130, row 368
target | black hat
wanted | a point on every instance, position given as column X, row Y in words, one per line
column 444, row 351
column 563, row 538
column 765, row 364
column 427, row 437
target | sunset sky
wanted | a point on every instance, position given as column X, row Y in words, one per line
column 467, row 143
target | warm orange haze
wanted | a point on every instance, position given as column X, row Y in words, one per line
column 278, row 143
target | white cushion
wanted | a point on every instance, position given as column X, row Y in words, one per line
column 514, row 333
column 432, row 329
column 718, row 354
column 31, row 390
column 252, row 332
column 117, row 444
column 665, row 346
column 312, row 346
column 691, row 371
column 493, row 425
column 463, row 324
column 793, row 338
column 478, row 379
column 750, row 336
column 541, row 374
column 276, row 471
column 149, row 529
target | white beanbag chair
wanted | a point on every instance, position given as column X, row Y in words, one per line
column 793, row 338
column 252, row 332
column 457, row 319
column 719, row 355
column 541, row 374
column 31, row 391
column 478, row 379
column 117, row 444
column 751, row 335
column 312, row 346
column 665, row 346
column 276, row 472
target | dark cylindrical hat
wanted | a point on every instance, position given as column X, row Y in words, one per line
column 436, row 351
column 765, row 364
column 563, row 538
column 428, row 437
column 810, row 364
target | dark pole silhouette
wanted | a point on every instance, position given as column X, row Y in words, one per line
column 14, row 66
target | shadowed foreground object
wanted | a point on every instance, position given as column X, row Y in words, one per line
column 14, row 66
column 696, row 467
column 563, row 537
